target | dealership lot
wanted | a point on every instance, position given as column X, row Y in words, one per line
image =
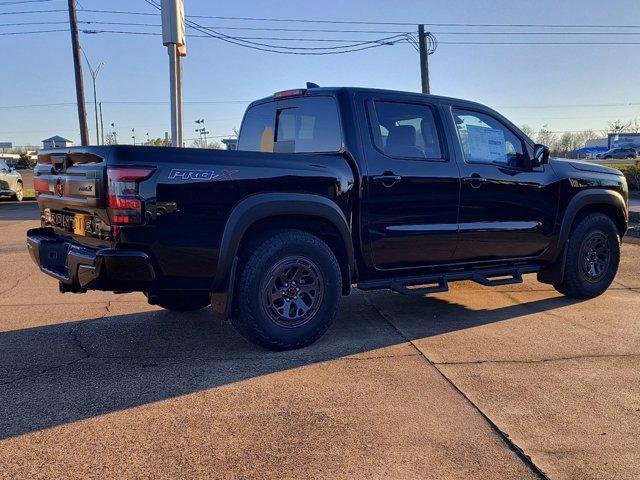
column 509, row 382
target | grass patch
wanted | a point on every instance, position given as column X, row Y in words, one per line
column 633, row 230
column 29, row 194
column 632, row 174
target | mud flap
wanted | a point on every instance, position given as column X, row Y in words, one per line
column 554, row 272
column 221, row 302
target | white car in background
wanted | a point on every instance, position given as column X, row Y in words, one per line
column 10, row 181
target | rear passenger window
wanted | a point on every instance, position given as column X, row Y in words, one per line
column 256, row 133
column 310, row 125
column 406, row 130
column 486, row 140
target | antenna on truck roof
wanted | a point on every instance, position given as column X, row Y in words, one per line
column 312, row 85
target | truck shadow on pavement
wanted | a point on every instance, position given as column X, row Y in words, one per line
column 63, row 373
column 11, row 210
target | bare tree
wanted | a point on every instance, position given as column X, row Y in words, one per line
column 528, row 131
column 547, row 137
column 200, row 143
column 619, row 126
column 110, row 139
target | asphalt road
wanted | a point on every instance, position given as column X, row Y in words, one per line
column 510, row 382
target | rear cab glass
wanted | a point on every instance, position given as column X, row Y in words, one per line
column 299, row 125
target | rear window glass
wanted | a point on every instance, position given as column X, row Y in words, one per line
column 308, row 124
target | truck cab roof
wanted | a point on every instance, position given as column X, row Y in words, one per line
column 352, row 91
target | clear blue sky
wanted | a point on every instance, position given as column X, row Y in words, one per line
column 38, row 69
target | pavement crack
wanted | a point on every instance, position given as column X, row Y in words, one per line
column 44, row 371
column 541, row 360
column 509, row 443
column 16, row 283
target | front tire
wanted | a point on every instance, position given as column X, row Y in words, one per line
column 288, row 291
column 19, row 193
column 593, row 256
column 178, row 301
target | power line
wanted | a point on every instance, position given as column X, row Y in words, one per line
column 126, row 102
column 32, row 32
column 35, row 11
column 286, row 49
column 401, row 38
column 372, row 43
column 216, row 102
column 362, row 22
column 322, row 30
column 580, row 105
column 18, row 2
column 22, row 24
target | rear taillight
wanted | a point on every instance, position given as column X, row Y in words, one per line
column 125, row 206
column 41, row 185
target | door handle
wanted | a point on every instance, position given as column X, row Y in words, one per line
column 387, row 179
column 475, row 180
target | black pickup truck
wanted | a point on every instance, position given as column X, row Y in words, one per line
column 330, row 189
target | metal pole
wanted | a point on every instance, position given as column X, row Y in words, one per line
column 424, row 59
column 180, row 101
column 101, row 124
column 171, row 49
column 82, row 112
column 175, row 76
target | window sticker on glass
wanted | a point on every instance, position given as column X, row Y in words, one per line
column 486, row 143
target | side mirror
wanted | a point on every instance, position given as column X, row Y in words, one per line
column 540, row 154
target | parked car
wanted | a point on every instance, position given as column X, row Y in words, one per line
column 626, row 152
column 10, row 181
column 331, row 188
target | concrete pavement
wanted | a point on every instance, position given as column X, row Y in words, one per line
column 509, row 382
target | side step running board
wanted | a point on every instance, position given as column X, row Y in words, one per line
column 489, row 277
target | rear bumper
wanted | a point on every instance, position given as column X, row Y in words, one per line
column 80, row 268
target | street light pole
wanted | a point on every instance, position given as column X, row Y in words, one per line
column 94, row 76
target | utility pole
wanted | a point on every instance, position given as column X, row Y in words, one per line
column 101, row 125
column 173, row 37
column 82, row 112
column 115, row 134
column 424, row 59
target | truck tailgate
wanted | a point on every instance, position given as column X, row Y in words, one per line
column 71, row 191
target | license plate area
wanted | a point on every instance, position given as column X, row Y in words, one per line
column 80, row 224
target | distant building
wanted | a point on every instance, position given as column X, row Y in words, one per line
column 56, row 142
column 231, row 143
column 622, row 140
column 597, row 142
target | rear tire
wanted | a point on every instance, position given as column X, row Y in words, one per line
column 593, row 256
column 180, row 301
column 288, row 290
